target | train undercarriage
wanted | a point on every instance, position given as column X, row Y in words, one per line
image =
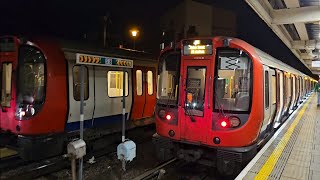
column 228, row 161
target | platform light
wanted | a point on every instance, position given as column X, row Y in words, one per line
column 134, row 34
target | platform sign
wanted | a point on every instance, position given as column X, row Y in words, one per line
column 103, row 61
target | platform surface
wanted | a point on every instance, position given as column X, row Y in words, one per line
column 6, row 152
column 294, row 151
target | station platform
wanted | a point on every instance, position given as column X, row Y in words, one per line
column 294, row 150
column 7, row 152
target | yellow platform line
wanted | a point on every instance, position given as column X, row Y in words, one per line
column 267, row 168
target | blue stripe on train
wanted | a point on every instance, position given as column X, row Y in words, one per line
column 97, row 122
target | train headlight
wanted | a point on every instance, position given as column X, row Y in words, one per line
column 165, row 115
column 234, row 121
column 224, row 123
column 229, row 122
column 24, row 111
column 20, row 113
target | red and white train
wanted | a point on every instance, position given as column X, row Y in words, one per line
column 220, row 98
column 40, row 93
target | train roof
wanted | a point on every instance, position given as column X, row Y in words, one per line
column 275, row 63
column 86, row 48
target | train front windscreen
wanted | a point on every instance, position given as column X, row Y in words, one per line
column 233, row 83
column 31, row 82
column 168, row 78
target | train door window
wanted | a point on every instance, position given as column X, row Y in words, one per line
column 195, row 88
column 77, row 82
column 150, row 82
column 139, row 82
column 115, row 84
column 158, row 87
column 292, row 85
column 274, row 90
column 6, row 84
column 289, row 87
column 266, row 89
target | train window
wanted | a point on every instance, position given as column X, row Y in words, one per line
column 158, row 79
column 139, row 82
column 77, row 82
column 289, row 87
column 274, row 90
column 115, row 84
column 31, row 81
column 266, row 89
column 6, row 82
column 7, row 44
column 150, row 82
column 195, row 90
column 169, row 72
column 232, row 82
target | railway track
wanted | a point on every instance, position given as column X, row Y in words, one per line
column 157, row 172
column 31, row 170
column 10, row 162
column 176, row 169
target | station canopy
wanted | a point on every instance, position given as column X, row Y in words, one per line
column 297, row 24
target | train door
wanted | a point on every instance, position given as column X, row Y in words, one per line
column 301, row 89
column 194, row 117
column 139, row 98
column 109, row 95
column 297, row 90
column 293, row 93
column 279, row 93
column 273, row 95
column 144, row 86
column 267, row 96
column 286, row 94
column 74, row 95
column 7, row 94
column 150, row 89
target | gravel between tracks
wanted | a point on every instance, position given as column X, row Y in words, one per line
column 109, row 167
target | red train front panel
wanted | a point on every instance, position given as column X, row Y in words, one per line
column 40, row 104
column 217, row 104
column 8, row 68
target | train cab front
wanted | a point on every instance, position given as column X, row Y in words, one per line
column 168, row 93
column 215, row 99
column 23, row 93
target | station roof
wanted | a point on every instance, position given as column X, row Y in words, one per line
column 297, row 24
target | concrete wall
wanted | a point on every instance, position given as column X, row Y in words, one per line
column 207, row 20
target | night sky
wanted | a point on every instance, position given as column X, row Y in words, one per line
column 71, row 19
